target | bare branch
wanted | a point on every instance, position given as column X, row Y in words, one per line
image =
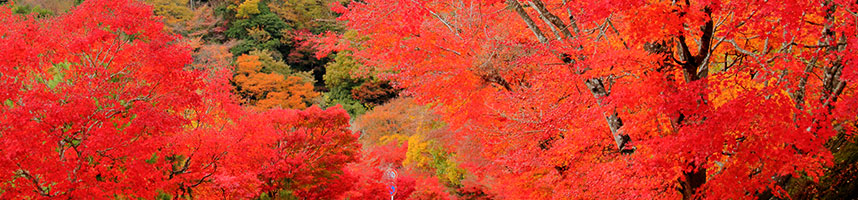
column 740, row 49
column 555, row 21
column 516, row 6
column 454, row 30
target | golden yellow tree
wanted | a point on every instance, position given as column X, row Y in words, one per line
column 175, row 12
column 247, row 8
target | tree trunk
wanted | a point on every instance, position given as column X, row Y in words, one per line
column 691, row 181
column 597, row 88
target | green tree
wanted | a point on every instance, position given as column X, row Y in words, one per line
column 270, row 64
column 262, row 30
column 26, row 9
column 340, row 79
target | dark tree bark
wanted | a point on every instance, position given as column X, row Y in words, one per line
column 595, row 85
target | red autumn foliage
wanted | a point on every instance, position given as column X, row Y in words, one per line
column 625, row 99
column 372, row 184
column 542, row 99
column 99, row 103
column 86, row 102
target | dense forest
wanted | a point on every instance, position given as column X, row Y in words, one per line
column 428, row 99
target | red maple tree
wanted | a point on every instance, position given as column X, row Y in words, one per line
column 625, row 98
column 102, row 103
column 87, row 101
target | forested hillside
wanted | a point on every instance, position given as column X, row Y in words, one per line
column 428, row 99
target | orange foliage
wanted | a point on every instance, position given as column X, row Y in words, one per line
column 270, row 90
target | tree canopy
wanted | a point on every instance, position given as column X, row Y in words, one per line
column 625, row 99
column 428, row 99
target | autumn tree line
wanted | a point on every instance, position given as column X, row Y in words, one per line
column 177, row 99
column 462, row 99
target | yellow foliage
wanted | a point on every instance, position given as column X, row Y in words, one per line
column 418, row 154
column 398, row 138
column 426, row 154
column 403, row 120
column 305, row 14
column 452, row 173
column 175, row 12
column 247, row 8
